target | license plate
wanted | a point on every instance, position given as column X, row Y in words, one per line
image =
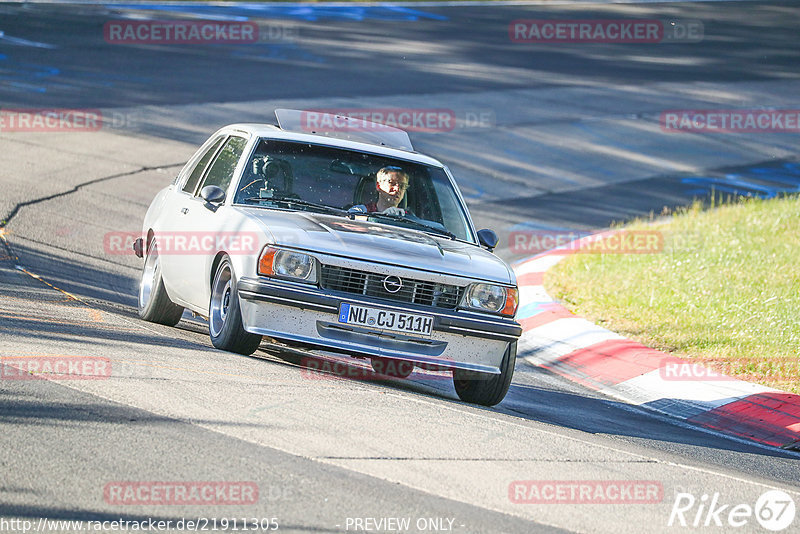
column 395, row 321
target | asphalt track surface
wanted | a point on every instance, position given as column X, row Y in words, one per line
column 327, row 451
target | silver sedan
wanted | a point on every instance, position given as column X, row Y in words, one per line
column 344, row 241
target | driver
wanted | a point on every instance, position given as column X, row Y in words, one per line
column 391, row 185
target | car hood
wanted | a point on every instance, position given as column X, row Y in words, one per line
column 380, row 243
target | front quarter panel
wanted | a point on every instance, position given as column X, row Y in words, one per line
column 235, row 235
column 245, row 264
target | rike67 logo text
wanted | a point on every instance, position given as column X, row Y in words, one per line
column 774, row 510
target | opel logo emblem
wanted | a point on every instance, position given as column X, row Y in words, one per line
column 392, row 284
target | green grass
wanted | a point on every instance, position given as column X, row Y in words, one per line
column 725, row 291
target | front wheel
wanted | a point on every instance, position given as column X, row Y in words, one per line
column 224, row 315
column 154, row 303
column 483, row 388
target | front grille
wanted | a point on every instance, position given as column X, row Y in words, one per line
column 371, row 285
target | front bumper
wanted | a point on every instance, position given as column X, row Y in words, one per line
column 303, row 314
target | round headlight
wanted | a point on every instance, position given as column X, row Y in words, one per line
column 487, row 297
column 293, row 264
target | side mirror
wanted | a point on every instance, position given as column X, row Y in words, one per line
column 488, row 239
column 213, row 194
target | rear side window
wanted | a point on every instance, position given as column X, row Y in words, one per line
column 198, row 170
column 221, row 171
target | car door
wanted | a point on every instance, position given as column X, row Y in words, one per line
column 172, row 220
column 202, row 224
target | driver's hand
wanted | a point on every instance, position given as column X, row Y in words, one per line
column 398, row 212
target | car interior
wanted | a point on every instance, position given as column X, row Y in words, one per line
column 322, row 175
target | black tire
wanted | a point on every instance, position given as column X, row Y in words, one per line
column 154, row 303
column 483, row 388
column 393, row 368
column 224, row 315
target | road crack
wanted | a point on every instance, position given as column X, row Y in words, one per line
column 7, row 219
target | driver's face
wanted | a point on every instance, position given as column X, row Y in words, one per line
column 393, row 185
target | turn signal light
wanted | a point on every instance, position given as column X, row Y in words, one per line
column 265, row 262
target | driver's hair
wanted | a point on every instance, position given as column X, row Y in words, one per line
column 384, row 172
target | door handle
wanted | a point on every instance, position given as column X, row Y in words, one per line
column 184, row 210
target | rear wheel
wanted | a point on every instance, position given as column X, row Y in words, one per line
column 483, row 388
column 224, row 315
column 154, row 303
column 390, row 367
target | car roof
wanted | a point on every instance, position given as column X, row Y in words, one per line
column 274, row 132
column 271, row 131
column 341, row 126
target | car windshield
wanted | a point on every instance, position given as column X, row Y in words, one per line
column 303, row 176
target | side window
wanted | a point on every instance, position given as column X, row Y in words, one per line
column 221, row 171
column 197, row 172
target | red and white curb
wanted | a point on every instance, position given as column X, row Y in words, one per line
column 601, row 360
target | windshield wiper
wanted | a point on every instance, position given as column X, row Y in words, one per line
column 418, row 224
column 299, row 202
